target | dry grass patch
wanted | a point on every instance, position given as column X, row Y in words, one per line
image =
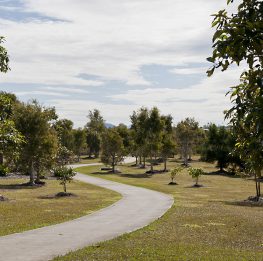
column 29, row 208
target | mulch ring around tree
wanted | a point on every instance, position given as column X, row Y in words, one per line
column 2, row 198
column 172, row 183
column 58, row 195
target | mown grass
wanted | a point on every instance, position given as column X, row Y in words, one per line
column 26, row 209
column 204, row 223
column 86, row 160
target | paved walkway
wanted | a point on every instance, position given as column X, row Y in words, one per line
column 136, row 209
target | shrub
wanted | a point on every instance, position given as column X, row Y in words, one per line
column 3, row 171
column 195, row 173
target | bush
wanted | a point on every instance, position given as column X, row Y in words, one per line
column 3, row 171
column 65, row 175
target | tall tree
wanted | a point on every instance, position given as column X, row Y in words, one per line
column 239, row 38
column 64, row 128
column 218, row 146
column 186, row 134
column 139, row 132
column 95, row 128
column 112, row 148
column 125, row 133
column 79, row 141
column 167, row 140
column 34, row 122
column 10, row 137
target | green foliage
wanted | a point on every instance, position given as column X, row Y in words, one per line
column 64, row 128
column 4, row 59
column 95, row 129
column 79, row 141
column 218, row 146
column 64, row 156
column 175, row 171
column 239, row 38
column 3, row 170
column 40, row 147
column 65, row 175
column 195, row 173
column 112, row 148
column 10, row 137
column 187, row 134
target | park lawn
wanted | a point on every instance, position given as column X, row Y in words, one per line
column 26, row 209
column 203, row 224
column 85, row 160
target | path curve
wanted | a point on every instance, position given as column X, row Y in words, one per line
column 137, row 208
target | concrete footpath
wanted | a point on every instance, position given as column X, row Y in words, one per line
column 137, row 208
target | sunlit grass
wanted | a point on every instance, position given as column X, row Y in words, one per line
column 203, row 224
column 27, row 210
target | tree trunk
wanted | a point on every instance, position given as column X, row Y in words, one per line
column 144, row 162
column 151, row 159
column 65, row 187
column 140, row 160
column 32, row 176
column 196, row 182
column 1, row 158
column 136, row 163
column 165, row 165
column 113, row 164
column 258, row 189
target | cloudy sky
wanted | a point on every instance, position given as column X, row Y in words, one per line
column 115, row 55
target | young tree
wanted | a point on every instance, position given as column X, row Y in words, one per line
column 175, row 171
column 65, row 175
column 239, row 38
column 186, row 134
column 95, row 128
column 125, row 133
column 195, row 173
column 112, row 148
column 34, row 122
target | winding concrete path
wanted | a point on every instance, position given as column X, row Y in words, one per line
column 137, row 208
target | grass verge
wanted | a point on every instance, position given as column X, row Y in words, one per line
column 28, row 208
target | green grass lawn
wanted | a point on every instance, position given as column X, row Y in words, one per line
column 204, row 223
column 26, row 209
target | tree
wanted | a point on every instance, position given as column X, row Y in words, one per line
column 34, row 123
column 10, row 137
column 112, row 148
column 79, row 141
column 186, row 134
column 175, row 171
column 4, row 58
column 195, row 173
column 239, row 38
column 64, row 128
column 167, row 142
column 125, row 133
column 218, row 146
column 95, row 128
column 65, row 175
column 154, row 127
column 139, row 133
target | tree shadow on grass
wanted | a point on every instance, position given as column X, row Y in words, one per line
column 136, row 176
column 222, row 173
column 18, row 186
